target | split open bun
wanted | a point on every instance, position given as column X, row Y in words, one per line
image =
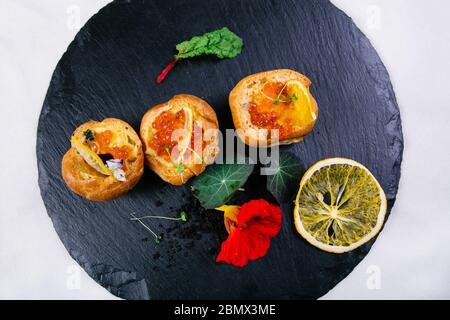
column 81, row 171
column 171, row 155
column 241, row 98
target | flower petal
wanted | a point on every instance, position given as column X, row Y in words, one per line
column 257, row 222
column 258, row 243
column 242, row 246
column 268, row 227
column 265, row 215
column 234, row 251
column 230, row 216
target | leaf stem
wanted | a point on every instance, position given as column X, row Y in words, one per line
column 157, row 237
column 166, row 71
column 155, row 217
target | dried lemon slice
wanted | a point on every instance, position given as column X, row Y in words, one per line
column 340, row 205
column 90, row 157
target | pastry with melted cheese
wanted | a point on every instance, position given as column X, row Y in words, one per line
column 180, row 138
column 273, row 107
column 105, row 160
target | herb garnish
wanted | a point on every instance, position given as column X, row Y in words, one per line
column 167, row 148
column 183, row 217
column 285, row 99
column 222, row 43
column 157, row 237
column 89, row 135
column 180, row 168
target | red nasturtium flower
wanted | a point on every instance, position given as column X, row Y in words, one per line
column 250, row 229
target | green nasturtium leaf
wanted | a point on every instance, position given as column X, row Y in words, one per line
column 285, row 180
column 219, row 182
column 223, row 43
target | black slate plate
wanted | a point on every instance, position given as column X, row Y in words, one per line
column 109, row 71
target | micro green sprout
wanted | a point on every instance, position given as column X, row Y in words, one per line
column 182, row 217
column 157, row 237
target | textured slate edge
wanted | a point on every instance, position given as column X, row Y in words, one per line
column 394, row 126
column 123, row 283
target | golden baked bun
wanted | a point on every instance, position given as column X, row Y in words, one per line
column 273, row 100
column 105, row 160
column 180, row 138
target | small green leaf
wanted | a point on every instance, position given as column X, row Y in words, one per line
column 284, row 183
column 276, row 101
column 222, row 42
column 158, row 239
column 219, row 182
column 180, row 168
column 285, row 98
column 167, row 147
column 183, row 216
column 89, row 134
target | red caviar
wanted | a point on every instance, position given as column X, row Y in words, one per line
column 165, row 124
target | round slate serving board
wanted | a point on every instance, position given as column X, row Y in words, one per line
column 109, row 71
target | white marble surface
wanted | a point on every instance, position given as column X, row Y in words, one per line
column 411, row 258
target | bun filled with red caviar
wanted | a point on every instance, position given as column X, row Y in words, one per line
column 180, row 138
column 105, row 160
column 273, row 107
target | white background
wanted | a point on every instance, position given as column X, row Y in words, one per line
column 411, row 258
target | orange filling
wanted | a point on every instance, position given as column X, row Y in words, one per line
column 267, row 107
column 102, row 140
